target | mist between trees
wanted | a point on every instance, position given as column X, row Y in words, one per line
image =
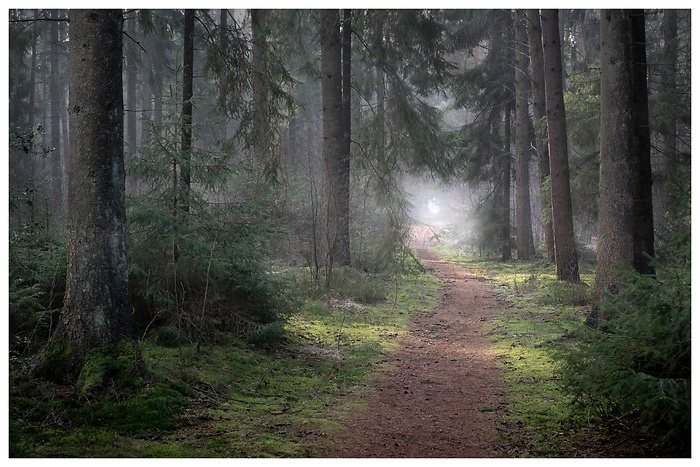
column 260, row 146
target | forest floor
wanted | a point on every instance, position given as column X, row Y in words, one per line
column 442, row 396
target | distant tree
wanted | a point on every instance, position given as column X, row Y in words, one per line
column 523, row 213
column 131, row 75
column 669, row 127
column 55, row 91
column 261, row 137
column 344, row 179
column 615, row 200
column 565, row 254
column 534, row 32
column 97, row 309
column 485, row 90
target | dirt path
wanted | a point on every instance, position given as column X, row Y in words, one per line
column 440, row 399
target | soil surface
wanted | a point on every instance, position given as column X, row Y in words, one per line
column 441, row 397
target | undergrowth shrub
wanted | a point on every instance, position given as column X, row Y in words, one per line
column 199, row 259
column 637, row 363
column 221, row 279
column 37, row 282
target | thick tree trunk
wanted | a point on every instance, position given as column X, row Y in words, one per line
column 523, row 213
column 615, row 201
column 337, row 238
column 565, row 254
column 539, row 109
column 641, row 149
column 96, row 309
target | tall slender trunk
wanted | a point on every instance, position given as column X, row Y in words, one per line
column 506, row 253
column 565, row 254
column 187, row 94
column 131, row 64
column 331, row 93
column 262, row 153
column 223, row 46
column 344, row 163
column 523, row 213
column 539, row 109
column 56, row 156
column 669, row 128
column 32, row 74
column 641, row 149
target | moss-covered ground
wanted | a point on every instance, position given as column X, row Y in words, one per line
column 230, row 399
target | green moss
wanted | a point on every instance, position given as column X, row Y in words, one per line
column 228, row 400
column 53, row 363
column 117, row 362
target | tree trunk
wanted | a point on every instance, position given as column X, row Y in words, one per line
column 223, row 45
column 96, row 310
column 331, row 94
column 32, row 75
column 669, row 128
column 187, row 94
column 641, row 150
column 56, row 155
column 131, row 88
column 506, row 253
column 380, row 90
column 565, row 254
column 615, row 201
column 130, row 111
column 344, row 163
column 261, row 118
column 534, row 31
column 523, row 213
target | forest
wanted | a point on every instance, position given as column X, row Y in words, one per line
column 222, row 225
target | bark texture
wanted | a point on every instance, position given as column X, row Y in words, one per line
column 565, row 254
column 337, row 204
column 642, row 181
column 523, row 212
column 96, row 309
column 615, row 202
column 539, row 110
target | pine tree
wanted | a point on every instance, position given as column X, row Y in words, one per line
column 523, row 214
column 534, row 32
column 615, row 201
column 97, row 309
column 562, row 222
column 337, row 234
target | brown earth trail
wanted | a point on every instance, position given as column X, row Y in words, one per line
column 440, row 399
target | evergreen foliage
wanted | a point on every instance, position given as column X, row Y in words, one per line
column 637, row 363
column 209, row 269
column 36, row 256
